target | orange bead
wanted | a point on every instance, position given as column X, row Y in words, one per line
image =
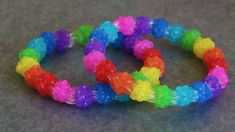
column 32, row 74
column 155, row 62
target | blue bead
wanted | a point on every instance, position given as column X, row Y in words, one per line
column 122, row 98
column 104, row 94
column 101, row 36
column 39, row 45
column 203, row 91
column 49, row 39
column 110, row 29
column 158, row 27
column 119, row 42
column 184, row 95
column 174, row 33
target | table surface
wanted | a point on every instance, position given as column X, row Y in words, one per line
column 22, row 109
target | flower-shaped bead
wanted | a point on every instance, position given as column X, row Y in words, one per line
column 152, row 73
column 221, row 75
column 163, row 96
column 137, row 76
column 174, row 33
column 49, row 39
column 159, row 27
column 212, row 54
column 129, row 42
column 119, row 42
column 140, row 46
column 152, row 52
column 104, row 94
column 81, row 35
column 189, row 39
column 125, row 24
column 104, row 70
column 203, row 91
column 142, row 25
column 184, row 95
column 122, row 83
column 25, row 64
column 214, row 85
column 62, row 91
column 29, row 52
column 63, row 39
column 110, row 29
column 32, row 74
column 202, row 45
column 142, row 91
column 39, row 45
column 84, row 96
column 94, row 45
column 92, row 59
column 155, row 62
column 100, row 35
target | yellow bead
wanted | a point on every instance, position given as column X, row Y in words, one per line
column 25, row 64
column 152, row 73
column 202, row 45
column 142, row 91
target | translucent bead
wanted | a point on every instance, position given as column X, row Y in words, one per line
column 122, row 83
column 155, row 62
column 137, row 76
column 122, row 98
column 49, row 39
column 62, row 91
column 174, row 33
column 202, row 45
column 119, row 42
column 104, row 94
column 153, row 74
column 189, row 39
column 25, row 64
column 110, row 29
column 29, row 52
column 63, row 39
column 129, row 42
column 92, row 59
column 184, row 95
column 81, row 35
column 142, row 91
column 32, row 74
column 100, row 35
column 163, row 96
column 94, row 45
column 140, row 46
column 158, row 28
column 84, row 96
column 214, row 85
column 142, row 25
column 152, row 52
column 104, row 70
column 203, row 92
column 39, row 45
column 125, row 24
column 221, row 75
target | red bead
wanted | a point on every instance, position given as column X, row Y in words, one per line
column 218, row 62
column 32, row 74
column 211, row 54
column 44, row 83
column 104, row 70
column 152, row 52
column 122, row 83
column 155, row 62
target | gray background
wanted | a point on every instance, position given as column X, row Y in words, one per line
column 22, row 109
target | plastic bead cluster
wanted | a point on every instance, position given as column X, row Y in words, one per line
column 126, row 33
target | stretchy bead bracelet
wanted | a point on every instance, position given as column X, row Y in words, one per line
column 128, row 30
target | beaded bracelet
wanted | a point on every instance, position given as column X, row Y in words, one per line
column 130, row 30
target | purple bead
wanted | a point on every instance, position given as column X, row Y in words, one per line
column 129, row 42
column 214, row 85
column 94, row 45
column 62, row 38
column 84, row 96
column 142, row 25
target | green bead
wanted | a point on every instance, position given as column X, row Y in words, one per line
column 29, row 52
column 81, row 35
column 139, row 76
column 163, row 96
column 189, row 38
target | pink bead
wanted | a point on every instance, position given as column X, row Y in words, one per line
column 125, row 24
column 63, row 92
column 140, row 46
column 92, row 59
column 222, row 76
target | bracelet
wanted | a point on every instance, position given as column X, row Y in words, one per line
column 130, row 30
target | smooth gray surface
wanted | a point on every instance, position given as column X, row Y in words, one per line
column 22, row 109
